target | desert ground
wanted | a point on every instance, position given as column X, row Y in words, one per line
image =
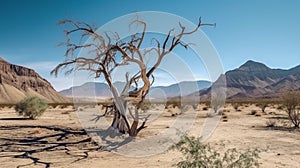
column 57, row 138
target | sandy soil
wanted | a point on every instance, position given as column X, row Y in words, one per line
column 57, row 139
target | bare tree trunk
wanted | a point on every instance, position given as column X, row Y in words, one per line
column 134, row 128
column 120, row 120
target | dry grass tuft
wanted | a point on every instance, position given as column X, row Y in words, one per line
column 253, row 112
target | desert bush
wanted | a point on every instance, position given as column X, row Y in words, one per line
column 271, row 123
column 7, row 105
column 224, row 116
column 257, row 115
column 146, row 106
column 263, row 105
column 205, row 108
column 173, row 104
column 279, row 107
column 291, row 103
column 216, row 104
column 31, row 107
column 197, row 154
column 253, row 112
column 236, row 106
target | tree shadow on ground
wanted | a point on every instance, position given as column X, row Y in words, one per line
column 16, row 142
column 278, row 128
column 8, row 119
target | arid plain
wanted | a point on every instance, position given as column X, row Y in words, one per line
column 57, row 138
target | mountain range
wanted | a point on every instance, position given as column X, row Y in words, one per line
column 18, row 82
column 252, row 80
column 255, row 80
column 91, row 89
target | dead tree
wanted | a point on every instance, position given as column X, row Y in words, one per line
column 111, row 52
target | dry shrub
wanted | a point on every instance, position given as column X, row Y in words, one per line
column 263, row 105
column 236, row 106
column 66, row 112
column 224, row 116
column 291, row 103
column 173, row 104
column 257, row 115
column 205, row 108
column 280, row 107
column 226, row 110
column 272, row 113
column 253, row 112
column 271, row 123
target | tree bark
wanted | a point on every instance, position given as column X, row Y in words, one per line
column 134, row 127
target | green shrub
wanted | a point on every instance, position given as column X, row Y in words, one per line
column 197, row 154
column 31, row 107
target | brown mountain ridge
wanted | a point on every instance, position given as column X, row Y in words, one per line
column 255, row 80
column 18, row 82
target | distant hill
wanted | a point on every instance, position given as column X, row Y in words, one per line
column 91, row 89
column 255, row 80
column 179, row 89
column 17, row 82
column 252, row 80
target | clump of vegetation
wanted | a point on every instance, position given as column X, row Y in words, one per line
column 146, row 106
column 279, row 107
column 236, row 106
column 205, row 108
column 257, row 115
column 197, row 154
column 253, row 112
column 2, row 106
column 173, row 104
column 291, row 104
column 31, row 107
column 271, row 123
column 263, row 105
column 227, row 110
column 216, row 104
column 60, row 105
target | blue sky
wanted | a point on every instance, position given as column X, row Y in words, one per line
column 267, row 31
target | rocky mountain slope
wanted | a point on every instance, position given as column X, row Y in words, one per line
column 17, row 82
column 255, row 80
